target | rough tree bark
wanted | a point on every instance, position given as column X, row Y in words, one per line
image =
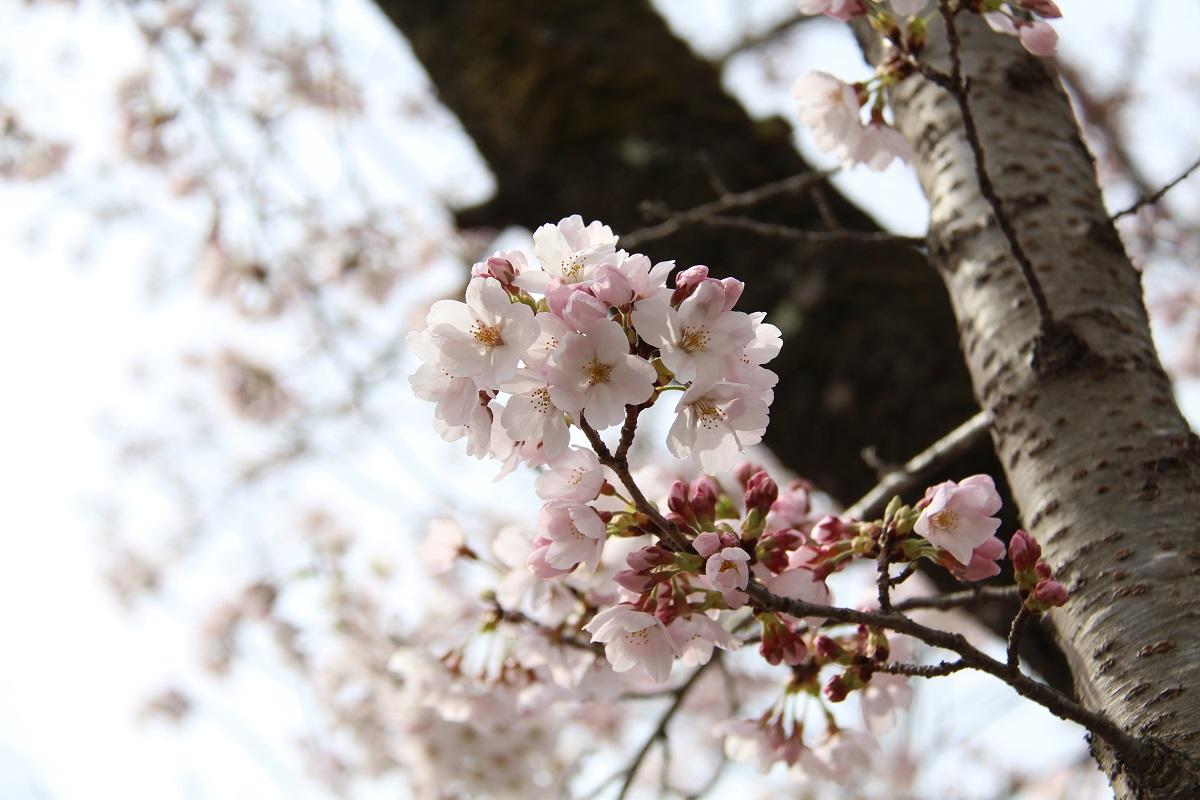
column 1104, row 468
column 593, row 108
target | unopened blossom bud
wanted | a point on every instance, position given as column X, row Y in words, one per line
column 677, row 498
column 611, row 285
column 828, row 648
column 829, row 529
column 761, row 492
column 501, row 269
column 1042, row 569
column 1050, row 592
column 733, row 291
column 687, row 281
column 702, row 497
column 1023, row 551
column 707, row 543
column 835, row 689
column 582, row 310
column 647, row 558
column 636, row 582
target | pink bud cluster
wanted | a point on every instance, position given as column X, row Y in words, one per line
column 1035, row 579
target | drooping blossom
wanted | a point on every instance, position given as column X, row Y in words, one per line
column 594, row 373
column 633, row 638
column 483, row 338
column 840, row 757
column 576, row 476
column 716, row 422
column 520, row 589
column 983, row 563
column 877, row 145
column 576, row 534
column 695, row 339
column 567, row 251
column 959, row 516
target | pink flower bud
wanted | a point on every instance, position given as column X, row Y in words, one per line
column 707, row 543
column 501, row 269
column 761, row 492
column 686, row 283
column 702, row 497
column 647, row 558
column 636, row 582
column 828, row 648
column 835, row 689
column 1042, row 569
column 610, row 285
column 1023, row 551
column 1038, row 37
column 733, row 290
column 1050, row 592
column 828, row 529
column 582, row 310
column 677, row 498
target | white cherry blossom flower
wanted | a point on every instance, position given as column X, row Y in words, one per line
column 747, row 367
column 483, row 338
column 876, row 146
column 714, row 424
column 576, row 533
column 959, row 517
column 695, row 339
column 567, row 251
column 829, row 108
column 552, row 330
column 633, row 638
column 594, row 373
column 576, row 476
column 547, row 601
column 454, row 399
column 695, row 635
column 530, row 415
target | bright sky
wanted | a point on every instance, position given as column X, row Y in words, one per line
column 75, row 317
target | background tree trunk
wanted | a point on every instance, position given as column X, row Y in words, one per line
column 1104, row 468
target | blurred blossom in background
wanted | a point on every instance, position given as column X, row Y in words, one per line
column 220, row 220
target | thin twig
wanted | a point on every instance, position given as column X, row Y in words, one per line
column 967, row 597
column 921, row 467
column 660, row 730
column 673, row 223
column 1019, row 622
column 774, row 231
column 923, row 670
column 1154, row 197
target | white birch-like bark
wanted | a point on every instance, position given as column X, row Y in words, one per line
column 1102, row 465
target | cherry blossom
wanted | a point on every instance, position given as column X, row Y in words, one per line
column 695, row 635
column 715, row 423
column 633, row 638
column 838, row 9
column 728, row 569
column 530, row 414
column 747, row 367
column 483, row 338
column 576, row 476
column 567, row 251
column 455, row 399
column 575, row 531
column 829, row 108
column 595, row 373
column 695, row 339
column 958, row 517
column 520, row 588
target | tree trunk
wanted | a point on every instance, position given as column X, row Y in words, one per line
column 1101, row 463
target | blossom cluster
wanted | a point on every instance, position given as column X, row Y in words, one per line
column 585, row 337
column 581, row 335
column 833, row 110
